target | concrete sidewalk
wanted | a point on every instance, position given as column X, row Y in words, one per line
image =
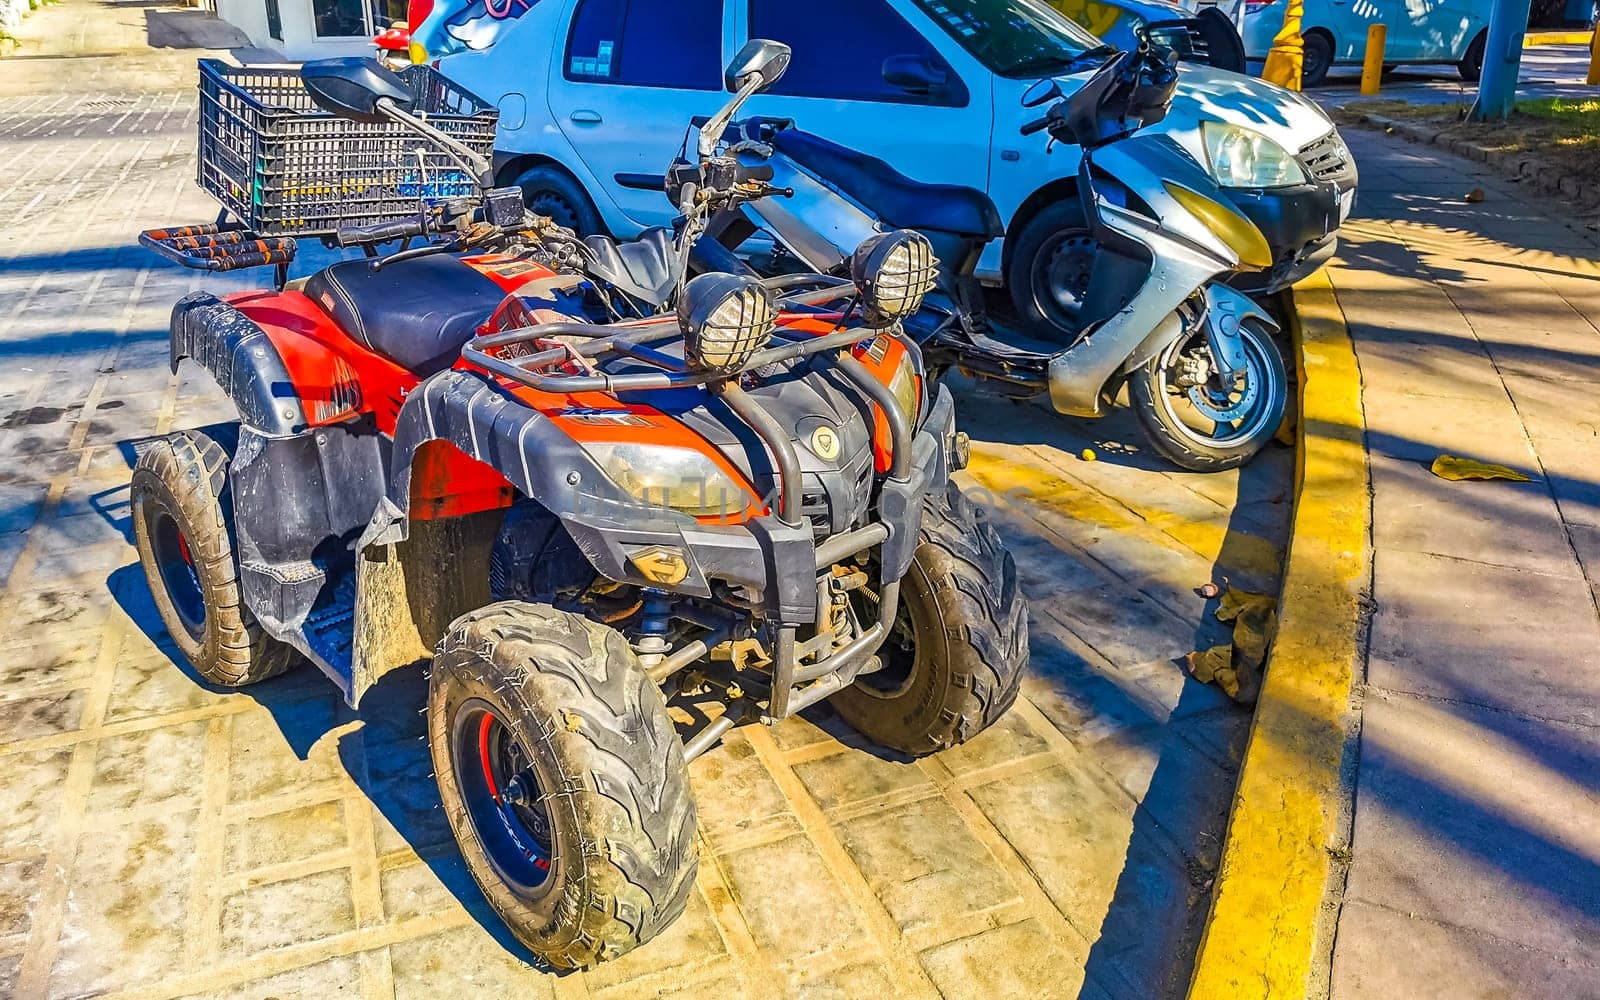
column 1476, row 853
column 90, row 46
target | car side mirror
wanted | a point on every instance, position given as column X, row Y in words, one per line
column 354, row 87
column 914, row 74
column 760, row 59
column 1043, row 92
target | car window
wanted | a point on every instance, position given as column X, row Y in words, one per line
column 1021, row 39
column 840, row 47
column 646, row 43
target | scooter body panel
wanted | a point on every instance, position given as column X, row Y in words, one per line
column 1143, row 327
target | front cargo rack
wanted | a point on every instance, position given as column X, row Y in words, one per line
column 284, row 167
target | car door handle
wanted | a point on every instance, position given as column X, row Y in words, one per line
column 586, row 117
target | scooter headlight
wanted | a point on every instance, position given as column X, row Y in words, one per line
column 1244, row 158
column 893, row 272
column 679, row 479
column 726, row 319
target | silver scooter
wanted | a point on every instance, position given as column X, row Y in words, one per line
column 1198, row 358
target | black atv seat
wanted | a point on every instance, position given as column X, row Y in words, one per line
column 418, row 313
column 889, row 194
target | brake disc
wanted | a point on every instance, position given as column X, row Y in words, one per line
column 1220, row 406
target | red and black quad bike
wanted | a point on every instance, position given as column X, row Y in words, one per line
column 741, row 497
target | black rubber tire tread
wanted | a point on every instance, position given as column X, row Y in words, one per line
column 1064, row 214
column 1143, row 385
column 557, row 180
column 971, row 627
column 1471, row 65
column 574, row 694
column 186, row 475
column 1319, row 71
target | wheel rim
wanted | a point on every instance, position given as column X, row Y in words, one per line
column 1236, row 411
column 179, row 576
column 557, row 206
column 1060, row 275
column 1314, row 62
column 504, row 800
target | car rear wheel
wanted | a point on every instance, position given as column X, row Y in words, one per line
column 552, row 192
column 1317, row 60
column 1471, row 65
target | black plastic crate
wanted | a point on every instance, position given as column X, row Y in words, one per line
column 284, row 167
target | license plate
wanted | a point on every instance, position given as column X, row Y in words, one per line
column 1347, row 200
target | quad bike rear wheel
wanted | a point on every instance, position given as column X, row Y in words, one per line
column 181, row 530
column 563, row 779
column 954, row 661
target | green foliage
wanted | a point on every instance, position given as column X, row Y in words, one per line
column 1577, row 117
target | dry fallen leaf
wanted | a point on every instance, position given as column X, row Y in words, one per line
column 1213, row 665
column 1236, row 666
column 1475, row 195
column 1455, row 468
column 1237, row 602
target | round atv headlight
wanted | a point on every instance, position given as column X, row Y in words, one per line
column 893, row 272
column 904, row 386
column 679, row 479
column 726, row 319
column 1244, row 158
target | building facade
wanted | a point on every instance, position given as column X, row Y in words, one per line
column 312, row 29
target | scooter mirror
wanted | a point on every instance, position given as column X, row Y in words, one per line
column 760, row 58
column 352, row 87
column 1043, row 92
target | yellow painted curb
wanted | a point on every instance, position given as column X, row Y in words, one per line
column 1533, row 38
column 1264, row 935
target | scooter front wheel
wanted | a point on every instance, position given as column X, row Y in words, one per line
column 1203, row 422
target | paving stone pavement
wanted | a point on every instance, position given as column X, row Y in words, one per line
column 159, row 838
column 1476, row 854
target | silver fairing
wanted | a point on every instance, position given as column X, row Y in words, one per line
column 1185, row 255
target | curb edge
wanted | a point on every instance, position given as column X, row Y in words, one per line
column 1268, row 931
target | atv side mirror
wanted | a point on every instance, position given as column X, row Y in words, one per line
column 354, row 87
column 759, row 59
column 1043, row 92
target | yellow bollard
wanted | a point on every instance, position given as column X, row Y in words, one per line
column 1372, row 69
column 1594, row 57
column 1286, row 60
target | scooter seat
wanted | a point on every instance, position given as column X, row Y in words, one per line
column 418, row 313
column 889, row 194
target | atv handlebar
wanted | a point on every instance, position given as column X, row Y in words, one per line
column 380, row 232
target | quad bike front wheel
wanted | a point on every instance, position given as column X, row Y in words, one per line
column 1206, row 424
column 181, row 531
column 954, row 661
column 563, row 779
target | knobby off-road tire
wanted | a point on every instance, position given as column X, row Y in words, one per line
column 180, row 528
column 615, row 808
column 955, row 659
